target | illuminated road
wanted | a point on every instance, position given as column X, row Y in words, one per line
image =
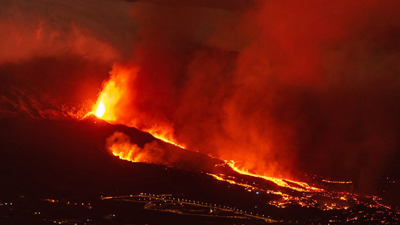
column 168, row 203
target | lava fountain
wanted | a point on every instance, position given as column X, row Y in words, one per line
column 101, row 109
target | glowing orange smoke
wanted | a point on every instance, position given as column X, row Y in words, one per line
column 127, row 152
column 119, row 144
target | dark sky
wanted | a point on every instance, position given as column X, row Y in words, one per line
column 279, row 86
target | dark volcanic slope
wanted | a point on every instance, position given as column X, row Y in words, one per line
column 69, row 155
column 67, row 160
column 45, row 157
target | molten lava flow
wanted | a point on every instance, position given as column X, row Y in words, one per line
column 299, row 186
column 166, row 138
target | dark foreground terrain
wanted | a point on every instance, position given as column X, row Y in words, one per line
column 58, row 172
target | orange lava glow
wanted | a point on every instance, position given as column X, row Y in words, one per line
column 101, row 109
column 164, row 136
column 126, row 151
column 106, row 103
column 120, row 146
column 301, row 186
column 125, row 154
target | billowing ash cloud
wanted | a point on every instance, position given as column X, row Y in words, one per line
column 279, row 86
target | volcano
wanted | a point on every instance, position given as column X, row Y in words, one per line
column 199, row 112
column 60, row 171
